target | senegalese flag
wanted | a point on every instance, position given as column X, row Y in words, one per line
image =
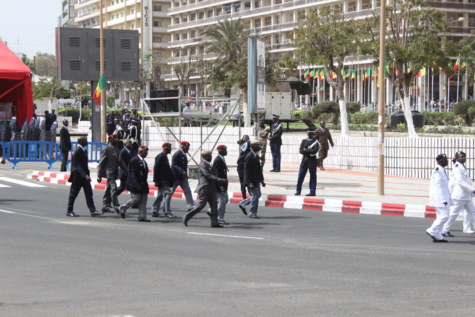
column 306, row 74
column 363, row 75
column 457, row 64
column 378, row 80
column 368, row 73
column 464, row 64
column 421, row 73
column 386, row 65
column 342, row 72
column 374, row 74
column 316, row 75
column 442, row 70
column 333, row 75
column 445, row 88
column 101, row 85
column 353, row 76
column 322, row 74
column 312, row 73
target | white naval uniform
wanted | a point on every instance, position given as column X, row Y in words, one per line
column 439, row 198
column 461, row 192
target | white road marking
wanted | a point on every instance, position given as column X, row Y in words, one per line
column 225, row 236
column 15, row 181
column 4, row 186
column 7, row 211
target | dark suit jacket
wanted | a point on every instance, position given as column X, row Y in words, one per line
column 243, row 153
column 220, row 169
column 179, row 164
column 276, row 131
column 137, row 178
column 309, row 149
column 162, row 172
column 109, row 163
column 125, row 158
column 79, row 168
column 252, row 170
column 324, row 137
column 206, row 179
column 64, row 140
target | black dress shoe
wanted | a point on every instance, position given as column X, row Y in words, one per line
column 144, row 220
column 272, row 171
column 155, row 214
column 310, row 195
column 448, row 234
column 277, row 171
column 95, row 213
column 208, row 213
column 185, row 220
column 105, row 210
column 216, row 226
column 441, row 240
column 117, row 210
column 297, row 194
column 433, row 238
column 243, row 210
column 71, row 214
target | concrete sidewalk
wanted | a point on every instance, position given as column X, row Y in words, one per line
column 337, row 190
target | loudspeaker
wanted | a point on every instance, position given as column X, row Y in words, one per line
column 163, row 105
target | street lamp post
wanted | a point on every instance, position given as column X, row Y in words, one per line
column 381, row 97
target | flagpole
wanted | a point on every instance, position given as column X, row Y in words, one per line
column 458, row 80
column 103, row 93
column 382, row 54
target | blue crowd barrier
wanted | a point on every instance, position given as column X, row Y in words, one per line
column 44, row 151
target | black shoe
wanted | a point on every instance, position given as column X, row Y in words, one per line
column 223, row 222
column 297, row 194
column 441, row 240
column 310, row 195
column 277, row 171
column 170, row 215
column 117, row 210
column 433, row 238
column 448, row 234
column 208, row 213
column 144, row 220
column 243, row 210
column 155, row 214
column 216, row 226
column 71, row 214
column 272, row 171
column 185, row 220
column 95, row 213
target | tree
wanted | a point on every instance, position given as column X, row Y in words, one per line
column 413, row 41
column 327, row 37
column 183, row 71
column 44, row 64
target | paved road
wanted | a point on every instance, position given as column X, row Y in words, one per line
column 288, row 263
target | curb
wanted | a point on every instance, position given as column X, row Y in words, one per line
column 282, row 201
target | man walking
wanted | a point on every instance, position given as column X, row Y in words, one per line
column 253, row 179
column 125, row 157
column 206, row 190
column 243, row 150
column 164, row 180
column 180, row 169
column 64, row 145
column 220, row 169
column 80, row 178
column 276, row 142
column 137, row 185
column 109, row 169
column 323, row 136
column 439, row 198
column 308, row 148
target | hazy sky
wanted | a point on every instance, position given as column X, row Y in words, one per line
column 29, row 25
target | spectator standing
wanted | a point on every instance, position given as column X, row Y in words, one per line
column 263, row 135
column 276, row 142
column 308, row 148
column 64, row 145
column 324, row 137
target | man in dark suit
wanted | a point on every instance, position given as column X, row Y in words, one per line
column 308, row 148
column 137, row 185
column 109, row 169
column 134, row 135
column 80, row 178
column 64, row 145
column 253, row 179
column 220, row 169
column 164, row 180
column 125, row 157
column 180, row 169
column 206, row 190
column 276, row 142
column 243, row 150
column 323, row 136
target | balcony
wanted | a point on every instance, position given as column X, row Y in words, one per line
column 451, row 6
column 86, row 3
column 180, row 43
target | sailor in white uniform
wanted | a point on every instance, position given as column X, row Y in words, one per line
column 461, row 192
column 439, row 198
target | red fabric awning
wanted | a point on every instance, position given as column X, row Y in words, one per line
column 15, row 84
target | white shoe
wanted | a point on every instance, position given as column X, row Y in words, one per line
column 468, row 231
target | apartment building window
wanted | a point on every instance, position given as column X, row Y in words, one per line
column 247, row 5
column 257, row 23
column 210, row 13
column 268, row 21
column 455, row 1
column 338, row 9
column 278, row 1
column 219, row 11
column 193, row 51
column 201, row 15
column 193, row 34
column 157, row 8
column 452, row 18
column 132, row 26
column 177, row 21
column 201, row 49
column 157, row 55
column 378, row 3
column 193, row 17
column 157, row 24
column 352, row 6
column 257, row 4
column 277, row 39
column 132, row 11
column 366, row 4
column 157, row 39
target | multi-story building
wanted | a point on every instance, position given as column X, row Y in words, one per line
column 276, row 21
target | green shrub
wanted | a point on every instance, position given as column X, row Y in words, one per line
column 462, row 109
column 327, row 107
column 303, row 114
column 74, row 113
column 363, row 118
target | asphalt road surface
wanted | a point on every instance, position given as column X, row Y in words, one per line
column 288, row 263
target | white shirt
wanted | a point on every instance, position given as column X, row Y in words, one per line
column 461, row 185
column 439, row 188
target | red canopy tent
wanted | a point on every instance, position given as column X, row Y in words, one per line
column 15, row 86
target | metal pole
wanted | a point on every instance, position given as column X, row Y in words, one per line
column 103, row 93
column 382, row 53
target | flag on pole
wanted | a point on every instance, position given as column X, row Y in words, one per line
column 312, row 73
column 322, row 74
column 456, row 66
column 368, row 73
column 101, row 85
column 316, row 75
column 445, row 88
column 363, row 75
column 306, row 74
column 421, row 73
column 353, row 76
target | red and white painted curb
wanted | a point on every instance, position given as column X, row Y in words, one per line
column 283, row 201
